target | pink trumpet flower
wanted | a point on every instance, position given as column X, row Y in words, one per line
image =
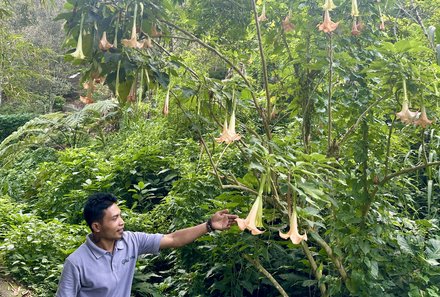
column 262, row 17
column 355, row 29
column 165, row 110
column 328, row 5
column 423, row 121
column 104, row 45
column 255, row 216
column 132, row 42
column 327, row 25
column 382, row 24
column 78, row 53
column 293, row 233
column 354, row 8
column 228, row 134
column 287, row 25
column 405, row 115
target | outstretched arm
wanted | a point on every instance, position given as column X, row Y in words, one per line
column 221, row 220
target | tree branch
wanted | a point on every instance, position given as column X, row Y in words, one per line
column 266, row 273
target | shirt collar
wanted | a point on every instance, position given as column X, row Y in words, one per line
column 99, row 252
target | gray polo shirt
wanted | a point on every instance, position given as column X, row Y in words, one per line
column 90, row 271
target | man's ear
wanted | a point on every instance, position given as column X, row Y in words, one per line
column 96, row 227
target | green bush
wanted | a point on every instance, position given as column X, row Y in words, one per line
column 34, row 252
column 11, row 122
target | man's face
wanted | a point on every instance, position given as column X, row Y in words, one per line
column 112, row 224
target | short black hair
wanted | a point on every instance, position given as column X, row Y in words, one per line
column 95, row 206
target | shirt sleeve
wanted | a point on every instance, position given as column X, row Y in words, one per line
column 147, row 243
column 69, row 284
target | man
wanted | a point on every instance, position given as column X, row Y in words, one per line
column 104, row 265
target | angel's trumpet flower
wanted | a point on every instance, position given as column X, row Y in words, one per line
column 104, row 45
column 355, row 29
column 88, row 98
column 146, row 43
column 328, row 5
column 382, row 24
column 228, row 134
column 132, row 94
column 132, row 42
column 165, row 110
column 225, row 133
column 233, row 136
column 405, row 115
column 78, row 53
column 154, row 32
column 262, row 17
column 255, row 216
column 327, row 25
column 423, row 121
column 293, row 233
column 382, row 21
column 354, row 8
column 287, row 25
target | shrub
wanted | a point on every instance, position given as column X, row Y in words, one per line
column 35, row 251
column 10, row 123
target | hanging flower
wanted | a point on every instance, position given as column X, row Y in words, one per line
column 327, row 25
column 405, row 115
column 224, row 137
column 228, row 134
column 132, row 42
column 262, row 17
column 255, row 216
column 354, row 8
column 287, row 25
column 132, row 94
column 165, row 110
column 231, row 130
column 382, row 21
column 423, row 121
column 146, row 43
column 293, row 233
column 104, row 45
column 356, row 28
column 329, row 5
column 78, row 53
column 382, row 24
column 154, row 32
column 88, row 98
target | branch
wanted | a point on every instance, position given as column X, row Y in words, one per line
column 358, row 121
column 263, row 63
column 266, row 273
column 330, row 253
column 214, row 50
column 315, row 270
column 388, row 178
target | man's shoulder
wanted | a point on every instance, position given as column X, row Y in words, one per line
column 79, row 253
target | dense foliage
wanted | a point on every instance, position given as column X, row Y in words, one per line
column 330, row 127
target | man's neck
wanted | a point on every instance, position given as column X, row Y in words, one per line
column 107, row 245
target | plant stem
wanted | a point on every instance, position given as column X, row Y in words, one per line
column 266, row 273
column 358, row 121
column 315, row 270
column 332, row 256
column 391, row 176
column 330, row 78
column 263, row 64
column 207, row 46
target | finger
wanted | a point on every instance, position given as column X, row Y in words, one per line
column 223, row 212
